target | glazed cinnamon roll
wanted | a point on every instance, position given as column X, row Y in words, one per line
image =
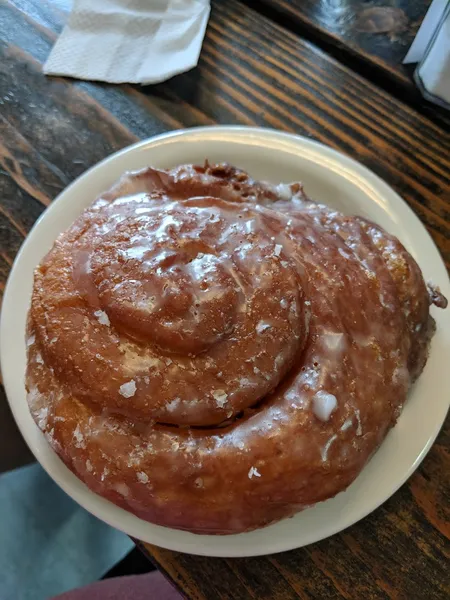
column 215, row 354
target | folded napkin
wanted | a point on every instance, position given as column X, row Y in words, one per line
column 433, row 72
column 134, row 41
column 49, row 544
column 431, row 50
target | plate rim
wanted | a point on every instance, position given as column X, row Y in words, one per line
column 264, row 134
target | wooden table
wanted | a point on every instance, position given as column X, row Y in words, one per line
column 256, row 72
column 376, row 35
column 372, row 37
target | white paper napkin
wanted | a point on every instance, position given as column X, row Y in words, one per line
column 433, row 73
column 426, row 32
column 134, row 41
column 431, row 49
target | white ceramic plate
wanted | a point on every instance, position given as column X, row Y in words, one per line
column 329, row 177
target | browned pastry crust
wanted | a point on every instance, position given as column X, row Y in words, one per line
column 215, row 354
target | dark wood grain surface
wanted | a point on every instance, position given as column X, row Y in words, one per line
column 371, row 36
column 251, row 72
column 378, row 31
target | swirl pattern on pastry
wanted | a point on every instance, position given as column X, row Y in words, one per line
column 214, row 353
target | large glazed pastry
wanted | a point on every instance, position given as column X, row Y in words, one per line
column 214, row 354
